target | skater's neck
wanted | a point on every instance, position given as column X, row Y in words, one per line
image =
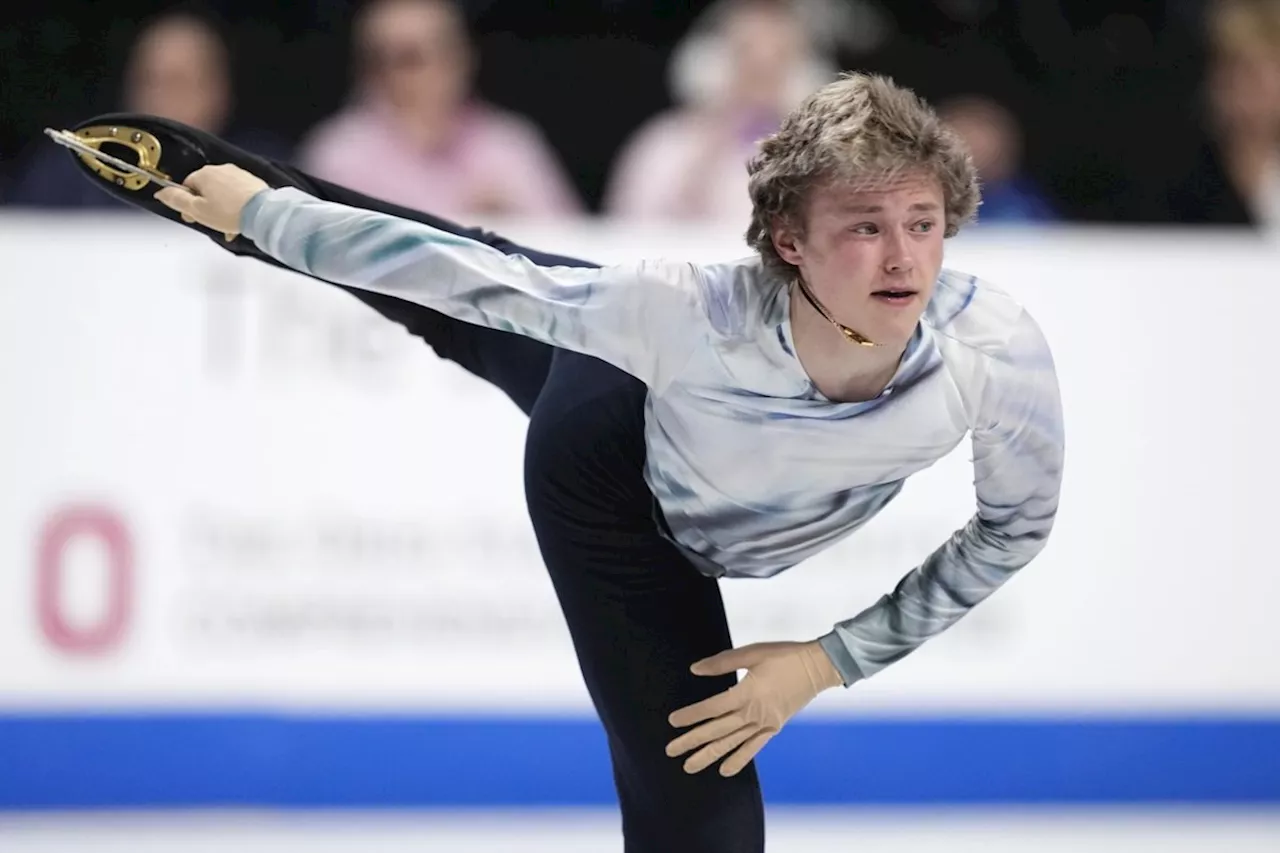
column 840, row 369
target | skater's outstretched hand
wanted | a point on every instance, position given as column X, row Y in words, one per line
column 781, row 679
column 216, row 197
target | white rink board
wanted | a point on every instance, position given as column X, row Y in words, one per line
column 314, row 511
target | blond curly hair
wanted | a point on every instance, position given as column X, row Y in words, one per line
column 861, row 129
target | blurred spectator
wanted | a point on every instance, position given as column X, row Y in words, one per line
column 743, row 66
column 1237, row 177
column 994, row 137
column 416, row 135
column 179, row 68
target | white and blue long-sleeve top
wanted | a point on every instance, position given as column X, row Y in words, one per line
column 713, row 344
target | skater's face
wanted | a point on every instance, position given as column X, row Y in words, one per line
column 872, row 254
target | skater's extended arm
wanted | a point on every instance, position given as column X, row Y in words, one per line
column 641, row 317
column 1017, row 458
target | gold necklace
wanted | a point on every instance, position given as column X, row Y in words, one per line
column 850, row 334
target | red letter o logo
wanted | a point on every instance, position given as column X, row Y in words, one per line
column 64, row 528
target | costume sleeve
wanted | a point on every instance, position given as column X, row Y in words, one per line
column 1018, row 450
column 644, row 318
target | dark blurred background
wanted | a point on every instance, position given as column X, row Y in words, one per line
column 1116, row 112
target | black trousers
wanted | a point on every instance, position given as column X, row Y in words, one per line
column 637, row 611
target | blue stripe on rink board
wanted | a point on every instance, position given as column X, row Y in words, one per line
column 261, row 760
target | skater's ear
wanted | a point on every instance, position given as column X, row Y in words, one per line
column 786, row 240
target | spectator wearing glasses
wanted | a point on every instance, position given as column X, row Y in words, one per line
column 416, row 134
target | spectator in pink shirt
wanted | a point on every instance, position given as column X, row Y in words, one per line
column 415, row 135
column 744, row 65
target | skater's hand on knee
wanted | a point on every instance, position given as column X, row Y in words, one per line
column 216, row 198
column 781, row 679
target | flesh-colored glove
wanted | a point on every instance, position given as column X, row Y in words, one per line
column 215, row 197
column 781, row 679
